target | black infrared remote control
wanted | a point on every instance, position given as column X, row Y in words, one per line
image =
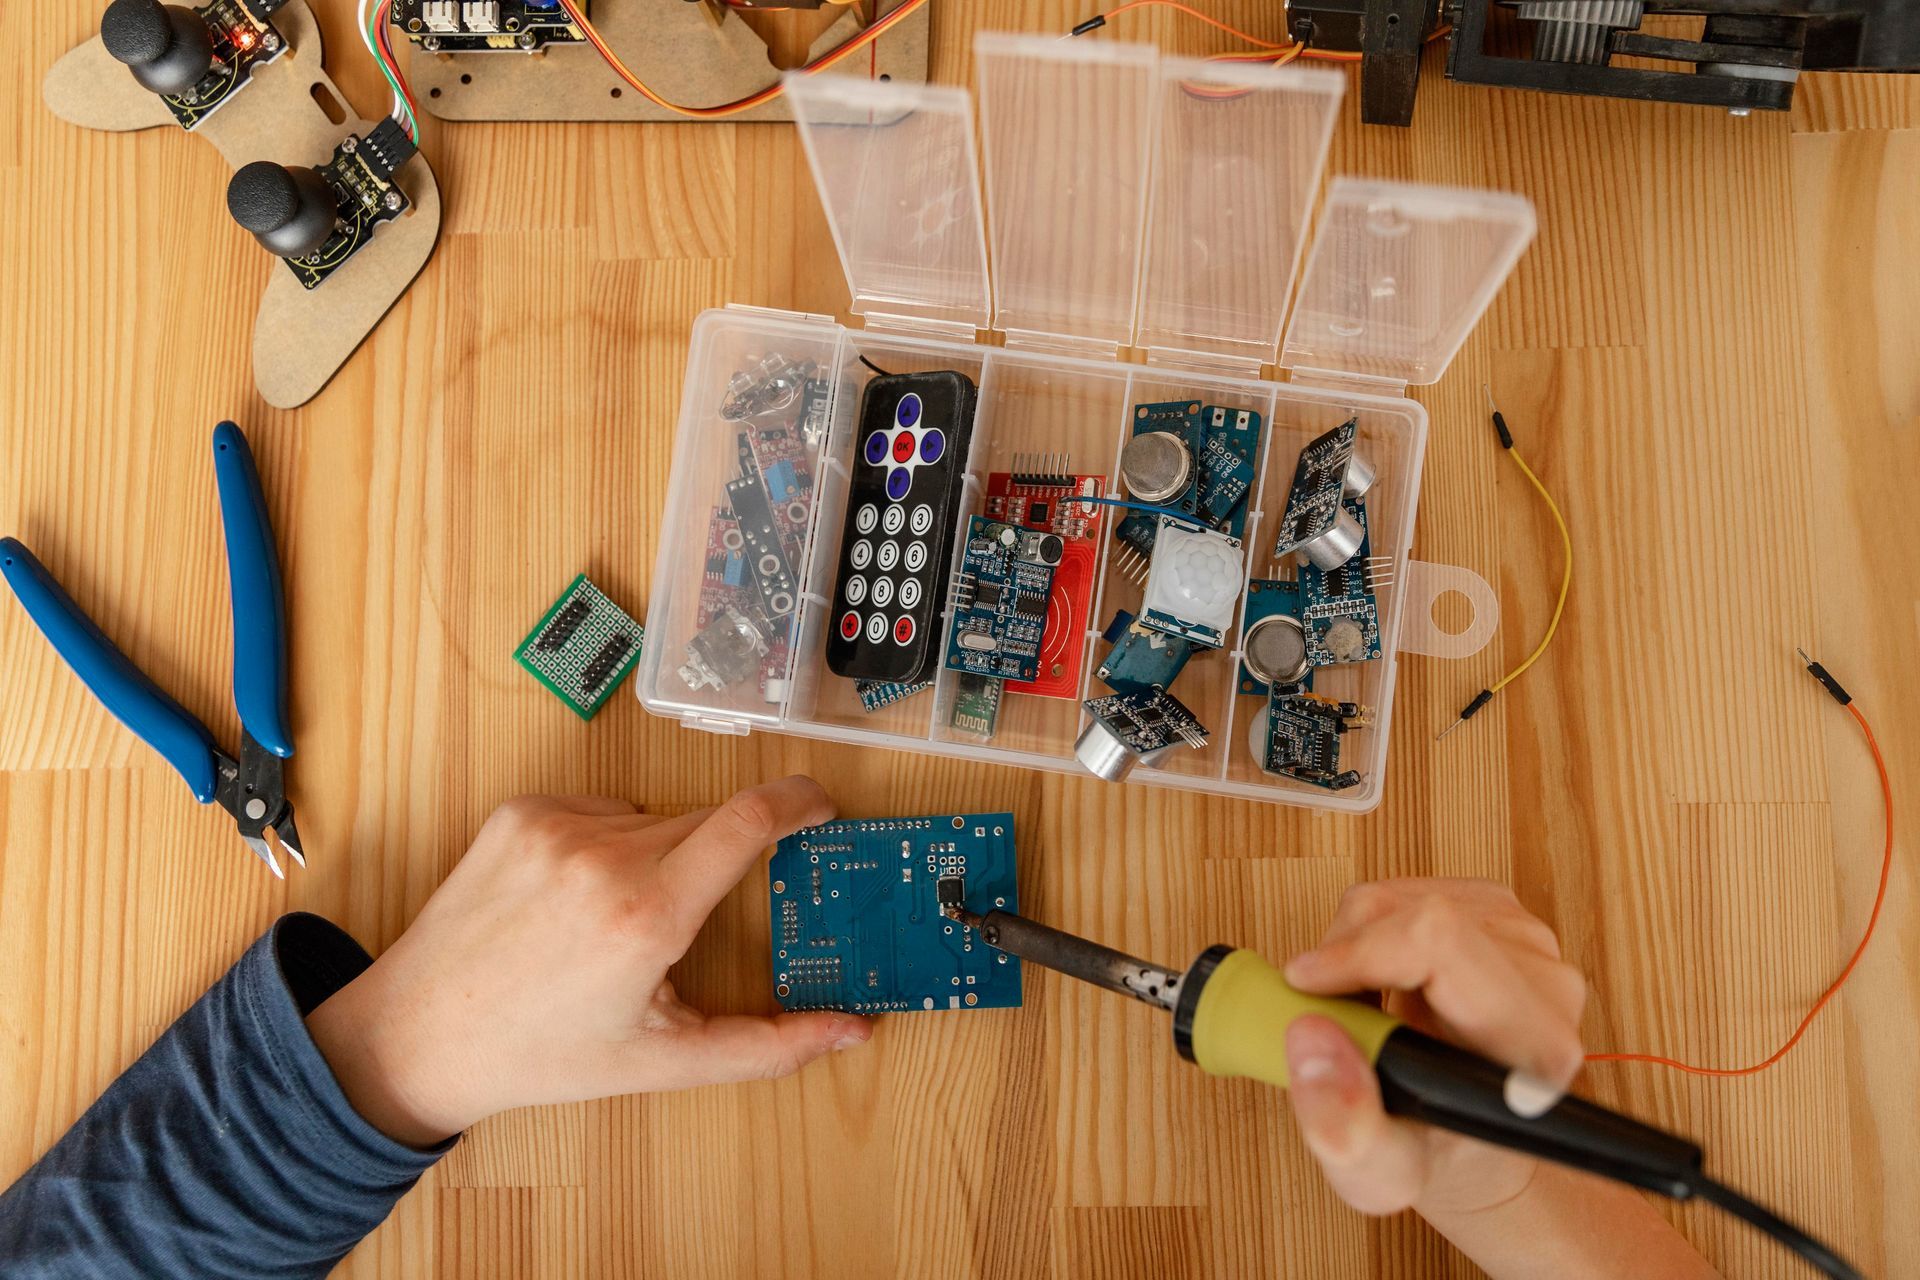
column 909, row 465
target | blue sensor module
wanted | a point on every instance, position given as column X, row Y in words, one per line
column 856, row 914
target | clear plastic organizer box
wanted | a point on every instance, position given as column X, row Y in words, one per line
column 1132, row 201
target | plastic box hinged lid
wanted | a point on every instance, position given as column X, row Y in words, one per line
column 1138, row 200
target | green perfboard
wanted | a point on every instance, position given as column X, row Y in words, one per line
column 571, row 654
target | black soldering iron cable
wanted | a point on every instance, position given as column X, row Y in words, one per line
column 1815, row 1253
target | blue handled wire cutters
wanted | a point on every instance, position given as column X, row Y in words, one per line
column 253, row 787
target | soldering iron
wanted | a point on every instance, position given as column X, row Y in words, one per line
column 1231, row 1010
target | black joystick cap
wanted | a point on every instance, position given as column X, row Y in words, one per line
column 166, row 46
column 262, row 197
column 136, row 31
column 291, row 211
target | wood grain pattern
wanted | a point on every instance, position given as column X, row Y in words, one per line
column 1711, row 353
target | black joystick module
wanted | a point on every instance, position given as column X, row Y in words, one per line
column 318, row 218
column 195, row 59
column 896, row 549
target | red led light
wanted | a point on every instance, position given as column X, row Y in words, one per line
column 243, row 38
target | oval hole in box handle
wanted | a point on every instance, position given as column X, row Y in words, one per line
column 330, row 105
column 1424, row 583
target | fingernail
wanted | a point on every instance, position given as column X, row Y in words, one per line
column 1300, row 967
column 1528, row 1096
column 848, row 1032
column 1312, row 1068
column 1311, row 1056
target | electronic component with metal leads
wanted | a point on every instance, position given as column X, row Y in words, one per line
column 1298, row 736
column 1232, row 440
column 1142, row 657
column 862, row 914
column 1315, row 523
column 1159, row 465
column 875, row 694
column 1193, row 584
column 1133, row 728
column 1273, row 643
column 1039, row 493
column 195, row 59
column 480, row 26
column 766, row 555
column 1000, row 600
column 317, row 219
column 976, row 704
column 582, row 648
column 1337, row 606
column 727, row 650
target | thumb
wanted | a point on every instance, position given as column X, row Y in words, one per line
column 1374, row 1163
column 727, row 1049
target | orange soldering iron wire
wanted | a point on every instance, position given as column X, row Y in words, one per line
column 1873, row 921
column 1192, row 12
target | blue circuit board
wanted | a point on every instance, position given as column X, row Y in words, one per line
column 1232, row 440
column 1182, row 418
column 1270, row 598
column 875, row 694
column 856, row 914
column 1000, row 600
column 1303, row 732
column 1337, row 606
column 1142, row 657
column 1319, row 478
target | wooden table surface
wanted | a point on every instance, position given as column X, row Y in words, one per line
column 1712, row 353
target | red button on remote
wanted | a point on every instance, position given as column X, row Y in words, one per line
column 903, row 446
column 849, row 625
column 903, row 631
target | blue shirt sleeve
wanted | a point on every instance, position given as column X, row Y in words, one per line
column 228, row 1149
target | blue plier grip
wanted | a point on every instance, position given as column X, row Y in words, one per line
column 259, row 602
column 122, row 688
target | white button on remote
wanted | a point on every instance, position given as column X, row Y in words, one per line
column 866, row 518
column 922, row 520
column 856, row 589
column 862, row 554
column 916, row 556
column 889, row 556
column 876, row 628
column 910, row 593
column 893, row 520
column 882, row 592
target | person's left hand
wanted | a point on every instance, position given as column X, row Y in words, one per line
column 538, row 972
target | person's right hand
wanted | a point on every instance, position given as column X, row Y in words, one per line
column 1458, row 959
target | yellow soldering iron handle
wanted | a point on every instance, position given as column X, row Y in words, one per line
column 1236, row 1008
